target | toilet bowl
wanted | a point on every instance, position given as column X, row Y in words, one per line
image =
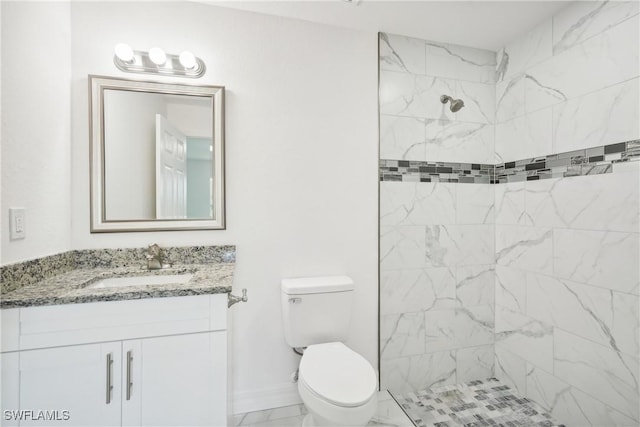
column 337, row 385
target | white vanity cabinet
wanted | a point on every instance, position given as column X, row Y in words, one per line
column 149, row 362
column 175, row 381
column 67, row 379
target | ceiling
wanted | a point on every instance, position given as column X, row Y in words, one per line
column 481, row 24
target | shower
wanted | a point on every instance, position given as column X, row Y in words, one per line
column 456, row 104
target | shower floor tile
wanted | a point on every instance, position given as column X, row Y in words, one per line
column 473, row 404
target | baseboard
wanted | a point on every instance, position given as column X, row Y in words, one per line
column 267, row 398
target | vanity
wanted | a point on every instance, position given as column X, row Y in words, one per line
column 124, row 336
column 110, row 343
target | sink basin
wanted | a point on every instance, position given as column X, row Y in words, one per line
column 160, row 279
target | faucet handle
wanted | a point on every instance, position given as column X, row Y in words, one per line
column 232, row 299
column 154, row 251
column 154, row 257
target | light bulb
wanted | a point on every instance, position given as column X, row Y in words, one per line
column 157, row 56
column 124, row 52
column 188, row 60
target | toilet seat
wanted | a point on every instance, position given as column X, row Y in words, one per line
column 336, row 374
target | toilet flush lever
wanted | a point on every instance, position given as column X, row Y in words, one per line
column 232, row 299
column 295, row 300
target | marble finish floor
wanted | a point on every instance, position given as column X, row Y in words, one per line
column 474, row 404
column 388, row 414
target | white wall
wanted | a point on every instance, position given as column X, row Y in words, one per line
column 301, row 160
column 35, row 127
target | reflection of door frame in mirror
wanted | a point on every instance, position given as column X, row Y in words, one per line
column 99, row 223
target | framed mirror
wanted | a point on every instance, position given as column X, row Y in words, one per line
column 157, row 156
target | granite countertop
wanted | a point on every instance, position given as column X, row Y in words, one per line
column 73, row 287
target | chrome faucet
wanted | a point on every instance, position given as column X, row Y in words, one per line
column 154, row 258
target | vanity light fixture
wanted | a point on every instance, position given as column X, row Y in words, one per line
column 187, row 59
column 156, row 61
column 157, row 56
column 124, row 52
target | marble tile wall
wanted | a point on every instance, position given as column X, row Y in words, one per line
column 568, row 249
column 570, row 83
column 566, row 294
column 436, row 284
column 414, row 124
column 436, row 238
column 561, row 321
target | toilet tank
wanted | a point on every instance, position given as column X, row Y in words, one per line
column 316, row 310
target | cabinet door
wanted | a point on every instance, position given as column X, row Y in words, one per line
column 177, row 381
column 73, row 379
column 10, row 381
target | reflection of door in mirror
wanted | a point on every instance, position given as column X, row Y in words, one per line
column 171, row 170
column 157, row 156
column 158, row 151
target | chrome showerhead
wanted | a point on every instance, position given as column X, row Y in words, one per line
column 456, row 104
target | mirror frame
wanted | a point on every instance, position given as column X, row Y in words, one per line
column 99, row 223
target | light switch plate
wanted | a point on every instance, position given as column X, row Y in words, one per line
column 17, row 223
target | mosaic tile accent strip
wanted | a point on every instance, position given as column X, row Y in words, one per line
column 590, row 161
column 416, row 171
column 476, row 403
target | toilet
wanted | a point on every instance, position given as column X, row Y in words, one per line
column 337, row 385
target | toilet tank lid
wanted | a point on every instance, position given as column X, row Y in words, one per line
column 316, row 285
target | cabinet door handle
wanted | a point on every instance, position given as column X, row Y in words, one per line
column 129, row 365
column 109, row 376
